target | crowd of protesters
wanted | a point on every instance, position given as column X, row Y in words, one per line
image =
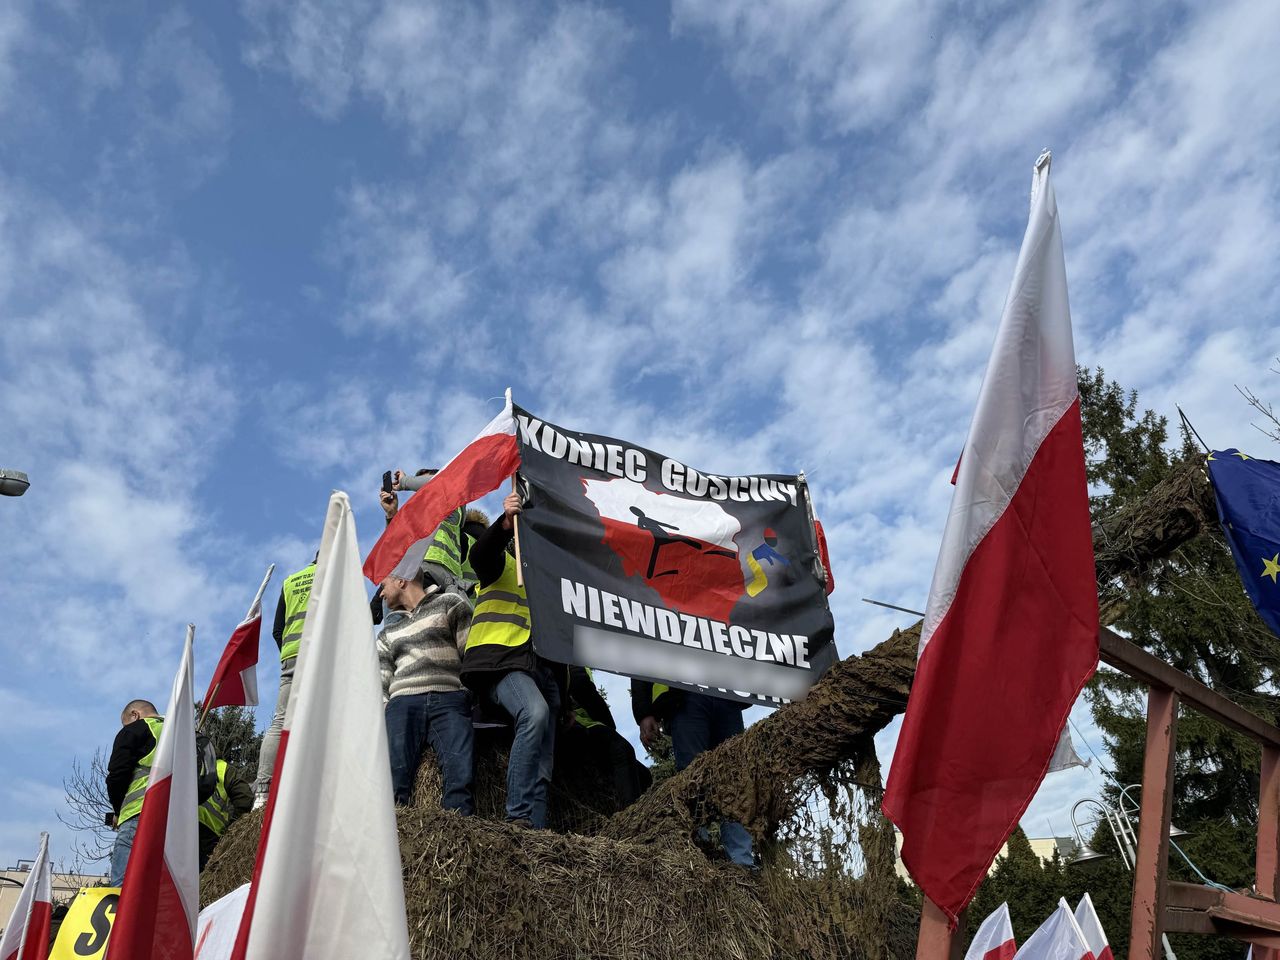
column 455, row 650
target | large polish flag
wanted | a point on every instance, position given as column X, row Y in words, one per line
column 26, row 935
column 235, row 678
column 478, row 470
column 1010, row 634
column 160, row 900
column 994, row 939
column 1091, row 927
column 1058, row 938
column 327, row 884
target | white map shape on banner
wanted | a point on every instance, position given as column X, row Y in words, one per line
column 702, row 520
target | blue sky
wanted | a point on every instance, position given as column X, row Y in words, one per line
column 253, row 252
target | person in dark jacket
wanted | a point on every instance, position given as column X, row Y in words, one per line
column 500, row 666
column 696, row 722
column 591, row 736
column 231, row 799
column 128, row 769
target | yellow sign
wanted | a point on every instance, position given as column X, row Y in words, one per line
column 87, row 925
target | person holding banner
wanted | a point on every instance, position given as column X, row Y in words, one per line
column 127, row 771
column 503, row 670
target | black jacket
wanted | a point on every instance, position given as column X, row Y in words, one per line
column 132, row 743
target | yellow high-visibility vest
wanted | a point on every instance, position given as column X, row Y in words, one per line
column 132, row 805
column 501, row 612
column 215, row 813
column 446, row 545
column 297, row 594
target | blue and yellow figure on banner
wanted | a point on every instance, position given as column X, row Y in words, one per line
column 1248, row 495
column 768, row 553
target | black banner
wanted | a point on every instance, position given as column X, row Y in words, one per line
column 638, row 564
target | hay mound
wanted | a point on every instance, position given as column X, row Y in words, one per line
column 478, row 888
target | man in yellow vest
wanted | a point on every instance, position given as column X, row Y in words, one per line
column 696, row 722
column 128, row 769
column 231, row 798
column 444, row 553
column 501, row 667
column 291, row 613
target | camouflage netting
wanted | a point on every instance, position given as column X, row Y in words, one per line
column 641, row 884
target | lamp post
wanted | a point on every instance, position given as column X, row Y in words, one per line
column 13, row 483
column 1122, row 831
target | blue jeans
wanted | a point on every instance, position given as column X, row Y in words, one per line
column 700, row 723
column 120, row 850
column 443, row 719
column 532, row 700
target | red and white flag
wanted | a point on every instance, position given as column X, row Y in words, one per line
column 1010, row 634
column 160, row 900
column 26, row 935
column 994, row 939
column 327, row 884
column 1058, row 938
column 235, row 679
column 1091, row 927
column 479, row 469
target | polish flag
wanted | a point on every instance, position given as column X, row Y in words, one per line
column 327, row 884
column 1058, row 938
column 1091, row 927
column 26, row 935
column 235, row 679
column 479, row 469
column 1010, row 634
column 994, row 939
column 160, row 900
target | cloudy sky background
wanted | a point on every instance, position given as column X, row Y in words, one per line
column 251, row 253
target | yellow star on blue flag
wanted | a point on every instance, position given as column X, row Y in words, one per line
column 1248, row 493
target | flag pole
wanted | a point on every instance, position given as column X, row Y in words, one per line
column 515, row 532
column 1187, row 424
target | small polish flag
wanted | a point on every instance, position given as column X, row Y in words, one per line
column 160, row 900
column 327, row 884
column 1010, row 633
column 1058, row 938
column 479, row 469
column 26, row 935
column 994, row 939
column 235, row 679
column 1091, row 927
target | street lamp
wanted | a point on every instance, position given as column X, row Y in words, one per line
column 13, row 483
column 1122, row 831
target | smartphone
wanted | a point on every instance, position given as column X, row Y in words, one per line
column 386, row 482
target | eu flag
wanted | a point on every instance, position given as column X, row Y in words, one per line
column 1248, row 495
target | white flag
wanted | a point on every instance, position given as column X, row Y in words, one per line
column 1058, row 938
column 1064, row 754
column 26, row 935
column 328, row 884
column 218, row 923
column 994, row 939
column 1091, row 927
column 160, row 900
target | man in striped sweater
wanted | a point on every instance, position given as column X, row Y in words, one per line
column 420, row 654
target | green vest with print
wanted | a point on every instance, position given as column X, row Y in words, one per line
column 297, row 594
